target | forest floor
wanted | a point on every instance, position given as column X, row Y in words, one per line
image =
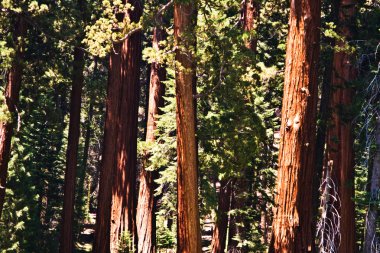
column 86, row 236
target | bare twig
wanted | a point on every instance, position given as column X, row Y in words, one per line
column 164, row 8
column 129, row 34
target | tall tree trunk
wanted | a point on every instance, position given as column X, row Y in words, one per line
column 82, row 173
column 107, row 168
column 124, row 201
column 117, row 199
column 339, row 144
column 66, row 243
column 219, row 237
column 146, row 207
column 251, row 11
column 323, row 115
column 12, row 94
column 293, row 215
column 83, row 166
column 189, row 237
column 372, row 213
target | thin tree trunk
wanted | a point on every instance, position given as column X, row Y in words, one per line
column 146, row 208
column 293, row 215
column 323, row 117
column 251, row 14
column 339, row 151
column 66, row 244
column 12, row 94
column 188, row 231
column 370, row 238
column 232, row 229
column 83, row 167
column 219, row 237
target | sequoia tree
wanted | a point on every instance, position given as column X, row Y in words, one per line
column 124, row 201
column 12, row 94
column 107, row 168
column 339, row 142
column 146, row 207
column 117, row 199
column 292, row 220
column 188, row 230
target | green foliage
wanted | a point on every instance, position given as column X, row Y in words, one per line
column 108, row 28
column 125, row 244
column 6, row 54
column 238, row 108
column 5, row 115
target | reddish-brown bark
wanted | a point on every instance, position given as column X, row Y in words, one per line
column 339, row 142
column 251, row 12
column 323, row 115
column 219, row 236
column 117, row 199
column 12, row 94
column 146, row 221
column 111, row 128
column 188, row 231
column 66, row 243
column 123, row 213
column 292, row 221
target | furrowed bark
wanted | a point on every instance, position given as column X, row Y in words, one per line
column 124, row 202
column 146, row 207
column 117, row 201
column 111, row 128
column 339, row 144
column 188, row 231
column 66, row 243
column 293, row 215
column 12, row 94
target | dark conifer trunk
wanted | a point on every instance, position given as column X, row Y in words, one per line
column 219, row 237
column 292, row 220
column 83, row 166
column 66, row 244
column 323, row 115
column 339, row 143
column 188, row 231
column 146, row 208
column 12, row 94
column 232, row 230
